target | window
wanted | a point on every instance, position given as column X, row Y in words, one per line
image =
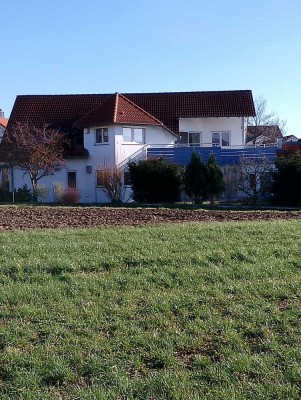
column 101, row 135
column 133, row 135
column 71, row 178
column 220, row 138
column 191, row 138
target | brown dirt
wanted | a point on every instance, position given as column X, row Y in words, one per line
column 85, row 217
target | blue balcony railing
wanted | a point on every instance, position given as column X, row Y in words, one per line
column 181, row 154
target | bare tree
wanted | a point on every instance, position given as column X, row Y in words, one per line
column 111, row 179
column 37, row 150
column 263, row 119
column 254, row 177
column 231, row 182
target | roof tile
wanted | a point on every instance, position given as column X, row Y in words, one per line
column 117, row 109
column 63, row 111
column 3, row 122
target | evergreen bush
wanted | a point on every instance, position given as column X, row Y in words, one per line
column 286, row 186
column 155, row 181
column 195, row 179
column 215, row 181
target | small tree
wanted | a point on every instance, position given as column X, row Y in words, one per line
column 111, row 180
column 287, row 180
column 254, row 177
column 155, row 181
column 195, row 179
column 215, row 181
column 37, row 150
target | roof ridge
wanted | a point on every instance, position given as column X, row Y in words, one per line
column 136, row 93
column 116, row 106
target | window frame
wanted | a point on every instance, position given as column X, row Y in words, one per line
column 102, row 129
column 220, row 143
column 132, row 128
column 188, row 142
column 75, row 175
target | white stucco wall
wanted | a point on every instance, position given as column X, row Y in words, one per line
column 235, row 125
column 153, row 135
column 111, row 153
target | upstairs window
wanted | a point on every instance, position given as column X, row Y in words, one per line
column 101, row 135
column 133, row 135
column 190, row 138
column 220, row 139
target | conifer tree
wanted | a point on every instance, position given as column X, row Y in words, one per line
column 215, row 184
column 196, row 178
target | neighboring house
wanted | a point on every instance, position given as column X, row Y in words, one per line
column 289, row 138
column 290, row 147
column 3, row 169
column 263, row 134
column 3, row 124
column 110, row 129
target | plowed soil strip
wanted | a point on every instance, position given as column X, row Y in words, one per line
column 12, row 218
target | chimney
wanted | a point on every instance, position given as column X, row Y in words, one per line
column 1, row 113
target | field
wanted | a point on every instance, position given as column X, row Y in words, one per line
column 170, row 311
column 28, row 217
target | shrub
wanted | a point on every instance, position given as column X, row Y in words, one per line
column 41, row 192
column 110, row 178
column 155, row 181
column 195, row 179
column 5, row 195
column 23, row 195
column 58, row 188
column 70, row 195
column 287, row 180
column 254, row 178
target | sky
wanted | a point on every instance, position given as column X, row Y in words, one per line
column 108, row 46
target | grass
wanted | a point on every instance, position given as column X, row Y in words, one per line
column 192, row 311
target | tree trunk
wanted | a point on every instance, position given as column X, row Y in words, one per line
column 33, row 180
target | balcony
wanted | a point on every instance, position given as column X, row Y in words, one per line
column 77, row 151
column 228, row 155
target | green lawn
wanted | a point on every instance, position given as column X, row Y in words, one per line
column 192, row 311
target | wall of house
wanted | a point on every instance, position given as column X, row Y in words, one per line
column 153, row 135
column 85, row 182
column 100, row 155
column 235, row 125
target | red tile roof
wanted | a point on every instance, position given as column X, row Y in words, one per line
column 3, row 122
column 169, row 107
column 63, row 111
column 117, row 109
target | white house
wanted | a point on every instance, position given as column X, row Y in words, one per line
column 109, row 129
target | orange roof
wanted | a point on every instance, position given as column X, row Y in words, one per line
column 117, row 109
column 62, row 111
column 3, row 122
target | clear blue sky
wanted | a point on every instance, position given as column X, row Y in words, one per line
column 104, row 46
